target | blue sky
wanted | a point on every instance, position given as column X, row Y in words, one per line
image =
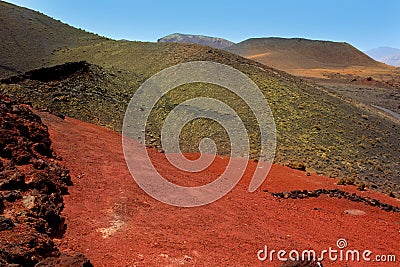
column 365, row 24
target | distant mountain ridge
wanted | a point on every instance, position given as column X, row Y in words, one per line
column 388, row 55
column 214, row 42
column 291, row 53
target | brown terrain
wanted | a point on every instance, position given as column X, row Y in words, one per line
column 339, row 67
column 311, row 58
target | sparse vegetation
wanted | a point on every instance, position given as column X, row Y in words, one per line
column 297, row 166
column 361, row 186
column 326, row 134
column 346, row 181
column 43, row 35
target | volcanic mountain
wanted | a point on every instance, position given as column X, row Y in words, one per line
column 307, row 57
column 214, row 42
column 29, row 38
column 316, row 131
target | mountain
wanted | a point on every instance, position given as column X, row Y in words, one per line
column 310, row 122
column 28, row 39
column 214, row 42
column 97, row 86
column 388, row 55
column 302, row 56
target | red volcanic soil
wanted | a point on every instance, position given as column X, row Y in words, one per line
column 113, row 222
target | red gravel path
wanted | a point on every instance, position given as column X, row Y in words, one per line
column 112, row 221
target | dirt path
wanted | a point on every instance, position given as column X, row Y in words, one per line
column 112, row 221
column 394, row 114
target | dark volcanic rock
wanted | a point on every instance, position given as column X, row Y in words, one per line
column 32, row 183
column 298, row 194
column 11, row 179
column 65, row 260
column 305, row 263
column 26, row 247
column 6, row 224
column 50, row 74
column 13, row 195
column 1, row 203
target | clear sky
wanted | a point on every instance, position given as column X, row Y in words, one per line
column 365, row 24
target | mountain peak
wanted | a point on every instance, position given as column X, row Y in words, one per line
column 295, row 53
column 214, row 42
column 386, row 54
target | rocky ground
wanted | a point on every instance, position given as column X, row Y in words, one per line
column 115, row 223
column 32, row 184
column 367, row 94
column 112, row 221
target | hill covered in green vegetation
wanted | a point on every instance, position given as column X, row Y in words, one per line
column 317, row 131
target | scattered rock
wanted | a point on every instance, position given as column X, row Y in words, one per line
column 12, row 196
column 26, row 248
column 301, row 194
column 12, row 179
column 6, row 223
column 355, row 212
column 66, row 260
column 61, row 116
column 28, row 202
column 297, row 166
column 303, row 263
